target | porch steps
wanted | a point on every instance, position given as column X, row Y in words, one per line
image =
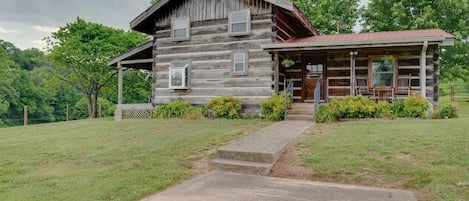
column 256, row 154
column 301, row 111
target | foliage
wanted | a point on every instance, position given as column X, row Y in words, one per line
column 274, row 107
column 449, row 15
column 361, row 107
column 288, row 62
column 101, row 159
column 331, row 16
column 80, row 109
column 326, row 113
column 80, row 52
column 178, row 109
column 445, row 111
column 415, row 106
column 227, row 107
column 136, row 87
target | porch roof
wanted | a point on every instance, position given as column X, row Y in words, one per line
column 357, row 40
column 140, row 57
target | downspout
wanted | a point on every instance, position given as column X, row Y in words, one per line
column 423, row 70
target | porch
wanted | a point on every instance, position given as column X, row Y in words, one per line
column 380, row 66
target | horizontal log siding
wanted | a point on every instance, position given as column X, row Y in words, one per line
column 338, row 68
column 210, row 49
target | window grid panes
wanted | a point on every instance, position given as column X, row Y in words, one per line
column 239, row 62
column 239, row 22
column 181, row 28
column 382, row 72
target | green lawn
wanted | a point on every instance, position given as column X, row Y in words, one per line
column 429, row 157
column 107, row 160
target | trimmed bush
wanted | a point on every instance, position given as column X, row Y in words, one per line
column 273, row 108
column 175, row 109
column 445, row 111
column 326, row 113
column 397, row 108
column 227, row 107
column 415, row 106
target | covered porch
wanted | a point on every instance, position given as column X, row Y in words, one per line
column 138, row 58
column 381, row 66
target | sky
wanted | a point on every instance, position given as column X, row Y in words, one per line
column 26, row 22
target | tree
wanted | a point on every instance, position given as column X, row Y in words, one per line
column 449, row 15
column 154, row 1
column 80, row 52
column 331, row 16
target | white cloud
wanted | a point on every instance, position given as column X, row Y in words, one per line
column 38, row 42
column 6, row 31
column 45, row 29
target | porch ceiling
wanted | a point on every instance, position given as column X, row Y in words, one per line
column 360, row 40
column 140, row 57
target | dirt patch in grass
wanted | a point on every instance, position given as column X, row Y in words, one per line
column 290, row 164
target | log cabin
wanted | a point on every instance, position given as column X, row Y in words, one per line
column 201, row 49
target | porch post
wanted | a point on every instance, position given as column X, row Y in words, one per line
column 423, row 70
column 276, row 71
column 352, row 72
column 119, row 83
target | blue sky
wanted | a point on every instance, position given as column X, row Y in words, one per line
column 26, row 22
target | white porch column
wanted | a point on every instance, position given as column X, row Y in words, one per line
column 423, row 70
column 119, row 83
column 352, row 72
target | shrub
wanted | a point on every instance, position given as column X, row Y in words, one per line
column 415, row 106
column 172, row 110
column 274, row 107
column 445, row 111
column 397, row 108
column 326, row 113
column 383, row 110
column 227, row 107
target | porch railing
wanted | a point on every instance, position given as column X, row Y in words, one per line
column 288, row 95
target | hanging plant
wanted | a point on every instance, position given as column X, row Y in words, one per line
column 287, row 63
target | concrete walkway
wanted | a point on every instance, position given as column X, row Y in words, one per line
column 223, row 186
column 256, row 154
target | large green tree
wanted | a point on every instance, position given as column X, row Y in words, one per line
column 449, row 15
column 80, row 51
column 331, row 16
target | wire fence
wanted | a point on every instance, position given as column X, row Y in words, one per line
column 26, row 119
column 456, row 92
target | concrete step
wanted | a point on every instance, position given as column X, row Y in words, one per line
column 301, row 112
column 300, row 117
column 267, row 144
column 244, row 167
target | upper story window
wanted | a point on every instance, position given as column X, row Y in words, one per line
column 179, row 75
column 240, row 63
column 382, row 71
column 180, row 28
column 240, row 22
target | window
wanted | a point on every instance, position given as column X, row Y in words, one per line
column 382, row 71
column 240, row 63
column 179, row 76
column 240, row 22
column 180, row 28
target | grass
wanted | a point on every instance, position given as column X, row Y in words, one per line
column 429, row 157
column 107, row 160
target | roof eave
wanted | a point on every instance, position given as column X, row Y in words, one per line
column 130, row 53
column 347, row 44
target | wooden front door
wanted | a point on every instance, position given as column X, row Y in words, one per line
column 313, row 69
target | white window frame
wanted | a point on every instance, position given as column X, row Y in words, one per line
column 184, row 69
column 247, row 21
column 188, row 28
column 245, row 62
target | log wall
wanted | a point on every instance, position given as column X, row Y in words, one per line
column 210, row 50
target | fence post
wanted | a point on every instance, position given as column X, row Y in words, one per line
column 68, row 113
column 99, row 111
column 452, row 92
column 25, row 110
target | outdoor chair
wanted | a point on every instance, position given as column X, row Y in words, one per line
column 403, row 86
